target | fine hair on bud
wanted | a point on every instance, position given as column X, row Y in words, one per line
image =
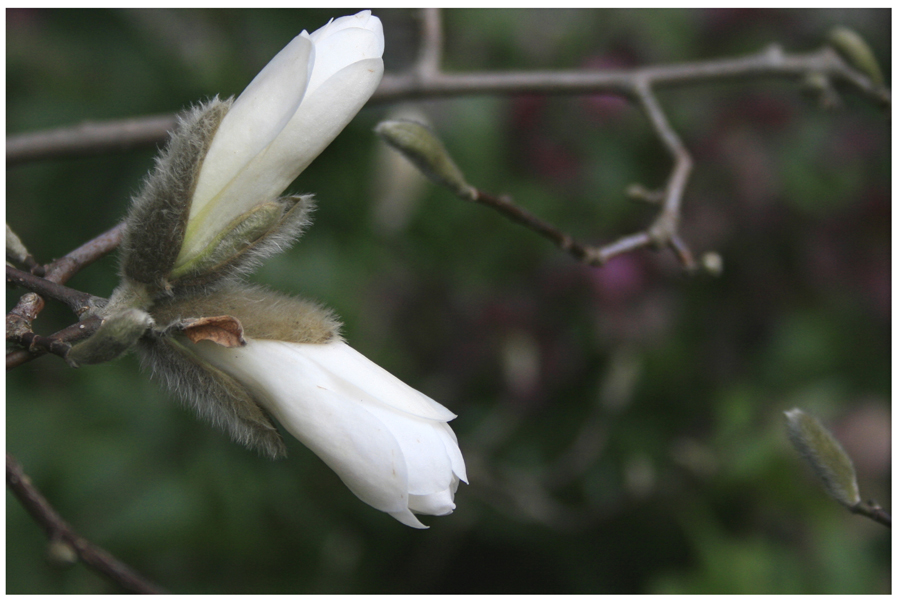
column 117, row 334
column 156, row 221
column 421, row 146
column 266, row 230
column 825, row 455
column 213, row 395
column 264, row 314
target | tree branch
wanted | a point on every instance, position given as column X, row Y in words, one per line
column 62, row 269
column 426, row 81
column 74, row 299
column 431, row 45
column 28, row 307
column 58, row 530
column 88, row 138
column 872, row 510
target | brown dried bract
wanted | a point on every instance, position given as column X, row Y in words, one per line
column 224, row 330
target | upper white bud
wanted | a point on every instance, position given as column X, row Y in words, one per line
column 291, row 111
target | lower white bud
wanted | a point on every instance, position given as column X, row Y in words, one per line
column 390, row 444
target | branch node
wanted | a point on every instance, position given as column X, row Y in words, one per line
column 639, row 193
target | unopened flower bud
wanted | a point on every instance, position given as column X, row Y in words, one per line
column 390, row 444
column 211, row 207
column 825, row 455
column 422, row 147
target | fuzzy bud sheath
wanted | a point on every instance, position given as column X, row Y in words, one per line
column 244, row 357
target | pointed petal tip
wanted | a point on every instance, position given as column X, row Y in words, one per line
column 407, row 518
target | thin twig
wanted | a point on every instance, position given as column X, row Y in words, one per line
column 87, row 139
column 74, row 299
column 771, row 62
column 872, row 510
column 57, row 529
column 58, row 343
column 60, row 271
column 431, row 44
column 664, row 231
column 422, row 83
column 517, row 214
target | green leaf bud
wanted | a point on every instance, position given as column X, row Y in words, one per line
column 422, row 147
column 854, row 48
column 15, row 249
column 825, row 455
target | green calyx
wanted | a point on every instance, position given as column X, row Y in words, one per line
column 237, row 238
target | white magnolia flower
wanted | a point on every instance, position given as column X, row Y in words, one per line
column 290, row 112
column 390, row 444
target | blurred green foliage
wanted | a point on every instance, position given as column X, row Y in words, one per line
column 622, row 426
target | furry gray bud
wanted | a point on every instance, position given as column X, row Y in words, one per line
column 156, row 222
column 825, row 456
column 117, row 334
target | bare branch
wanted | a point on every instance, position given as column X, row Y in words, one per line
column 58, row 530
column 74, row 299
column 424, row 82
column 59, row 271
column 771, row 62
column 88, row 138
column 872, row 510
column 58, row 343
column 62, row 269
column 428, row 64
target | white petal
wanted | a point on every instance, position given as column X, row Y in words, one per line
column 407, row 518
column 348, row 46
column 254, row 120
column 422, row 440
column 316, row 123
column 363, row 19
column 438, row 504
column 451, row 446
column 428, row 466
column 358, row 418
column 353, row 367
column 354, row 443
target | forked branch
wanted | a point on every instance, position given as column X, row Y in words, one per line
column 425, row 79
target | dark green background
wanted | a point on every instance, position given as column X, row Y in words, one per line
column 622, row 426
